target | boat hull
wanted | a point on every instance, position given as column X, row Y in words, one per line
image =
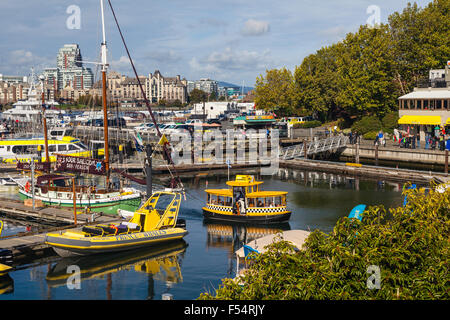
column 104, row 206
column 247, row 218
column 68, row 246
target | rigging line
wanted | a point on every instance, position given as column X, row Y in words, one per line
column 143, row 93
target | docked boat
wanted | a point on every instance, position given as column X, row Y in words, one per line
column 58, row 190
column 156, row 222
column 25, row 148
column 244, row 201
column 29, row 111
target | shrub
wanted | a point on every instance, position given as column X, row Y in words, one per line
column 367, row 124
column 390, row 122
column 408, row 244
column 370, row 135
column 308, row 124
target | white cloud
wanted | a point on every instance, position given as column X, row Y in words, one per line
column 163, row 55
column 20, row 62
column 255, row 27
column 121, row 64
column 231, row 60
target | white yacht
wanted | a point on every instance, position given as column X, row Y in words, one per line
column 30, row 110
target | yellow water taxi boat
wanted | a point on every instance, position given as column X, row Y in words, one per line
column 156, row 222
column 245, row 202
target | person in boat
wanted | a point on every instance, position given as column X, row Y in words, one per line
column 241, row 206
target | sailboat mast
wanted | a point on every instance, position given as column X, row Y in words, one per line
column 44, row 120
column 105, row 111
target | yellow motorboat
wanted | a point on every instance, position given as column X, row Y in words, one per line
column 156, row 222
column 244, row 201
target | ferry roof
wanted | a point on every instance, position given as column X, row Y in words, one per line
column 263, row 194
column 258, row 194
column 243, row 183
column 220, row 192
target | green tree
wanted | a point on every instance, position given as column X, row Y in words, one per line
column 365, row 73
column 276, row 92
column 197, row 96
column 421, row 39
column 316, row 83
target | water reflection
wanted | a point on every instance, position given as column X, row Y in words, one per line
column 6, row 284
column 162, row 263
column 335, row 181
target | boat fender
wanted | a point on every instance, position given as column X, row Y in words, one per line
column 27, row 186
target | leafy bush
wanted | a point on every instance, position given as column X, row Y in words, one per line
column 390, row 122
column 408, row 244
column 367, row 124
column 370, row 135
column 308, row 124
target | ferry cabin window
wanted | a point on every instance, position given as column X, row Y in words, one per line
column 21, row 149
column 277, row 201
column 62, row 147
column 213, row 199
column 260, row 202
column 52, row 148
column 251, row 202
column 73, row 147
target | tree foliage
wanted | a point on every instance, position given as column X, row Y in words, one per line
column 275, row 92
column 197, row 96
column 410, row 246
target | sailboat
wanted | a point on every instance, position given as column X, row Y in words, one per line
column 60, row 190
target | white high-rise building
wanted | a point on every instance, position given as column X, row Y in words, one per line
column 69, row 71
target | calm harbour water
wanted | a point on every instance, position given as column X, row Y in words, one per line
column 186, row 269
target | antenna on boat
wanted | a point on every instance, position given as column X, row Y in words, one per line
column 104, row 65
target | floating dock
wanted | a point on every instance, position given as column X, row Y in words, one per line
column 28, row 246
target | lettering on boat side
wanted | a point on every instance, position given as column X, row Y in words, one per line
column 232, row 309
column 141, row 235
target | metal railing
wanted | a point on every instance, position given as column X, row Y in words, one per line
column 331, row 144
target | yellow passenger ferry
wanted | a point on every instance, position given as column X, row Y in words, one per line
column 23, row 149
column 243, row 201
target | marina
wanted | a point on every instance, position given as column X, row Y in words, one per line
column 141, row 186
column 317, row 202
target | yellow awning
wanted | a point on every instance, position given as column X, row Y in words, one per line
column 426, row 120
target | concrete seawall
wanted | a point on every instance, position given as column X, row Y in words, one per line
column 420, row 156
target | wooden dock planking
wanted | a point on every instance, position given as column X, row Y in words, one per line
column 28, row 247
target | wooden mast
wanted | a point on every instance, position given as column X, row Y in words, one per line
column 105, row 111
column 47, row 157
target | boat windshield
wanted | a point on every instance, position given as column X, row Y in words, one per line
column 163, row 201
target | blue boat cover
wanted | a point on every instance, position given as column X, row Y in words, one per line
column 357, row 212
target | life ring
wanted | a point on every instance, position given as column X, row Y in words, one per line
column 27, row 186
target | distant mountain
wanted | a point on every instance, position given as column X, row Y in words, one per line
column 229, row 85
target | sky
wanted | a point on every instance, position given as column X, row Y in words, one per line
column 225, row 40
